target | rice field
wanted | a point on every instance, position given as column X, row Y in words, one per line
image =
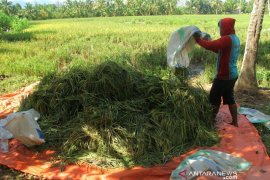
column 54, row 45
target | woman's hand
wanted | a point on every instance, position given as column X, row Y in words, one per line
column 197, row 35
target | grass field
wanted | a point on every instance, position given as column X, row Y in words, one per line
column 53, row 45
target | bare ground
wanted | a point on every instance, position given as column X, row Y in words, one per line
column 258, row 99
column 10, row 174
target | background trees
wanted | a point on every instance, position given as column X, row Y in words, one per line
column 92, row 8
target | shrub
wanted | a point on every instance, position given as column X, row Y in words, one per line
column 5, row 22
column 18, row 24
column 12, row 23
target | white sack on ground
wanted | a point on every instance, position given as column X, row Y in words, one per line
column 24, row 127
column 255, row 116
column 216, row 163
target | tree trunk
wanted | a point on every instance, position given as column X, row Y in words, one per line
column 240, row 7
column 269, row 7
column 247, row 78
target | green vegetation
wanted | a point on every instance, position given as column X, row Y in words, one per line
column 54, row 45
column 265, row 135
column 114, row 116
column 105, row 8
column 12, row 23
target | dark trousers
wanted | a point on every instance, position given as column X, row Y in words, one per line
column 222, row 89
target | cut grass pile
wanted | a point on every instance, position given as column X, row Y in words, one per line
column 111, row 115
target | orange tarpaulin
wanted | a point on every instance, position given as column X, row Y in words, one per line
column 244, row 142
column 10, row 102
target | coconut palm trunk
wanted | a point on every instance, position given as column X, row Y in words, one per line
column 269, row 7
column 247, row 78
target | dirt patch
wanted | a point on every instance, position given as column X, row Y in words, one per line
column 3, row 76
column 7, row 174
column 258, row 99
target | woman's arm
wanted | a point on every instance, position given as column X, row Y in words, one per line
column 214, row 45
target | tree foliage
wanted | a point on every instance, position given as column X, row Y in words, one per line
column 97, row 8
column 11, row 23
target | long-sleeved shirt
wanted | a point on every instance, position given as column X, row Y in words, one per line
column 227, row 48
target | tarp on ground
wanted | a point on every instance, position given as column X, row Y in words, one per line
column 255, row 116
column 215, row 162
column 243, row 142
column 10, row 102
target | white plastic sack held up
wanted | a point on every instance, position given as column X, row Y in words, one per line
column 180, row 46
